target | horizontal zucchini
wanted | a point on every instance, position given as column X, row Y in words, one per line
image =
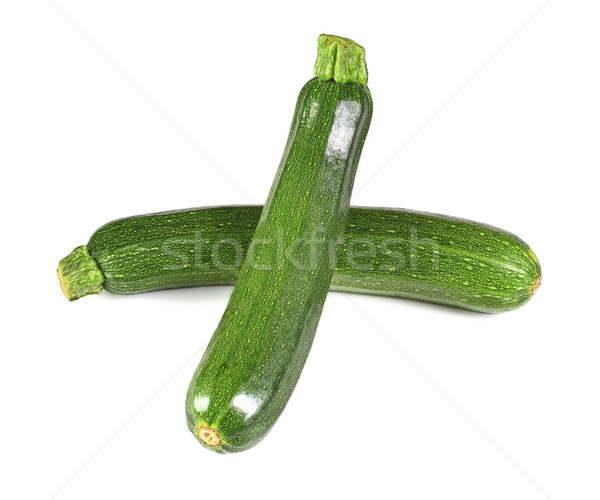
column 385, row 251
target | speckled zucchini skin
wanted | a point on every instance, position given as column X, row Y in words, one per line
column 437, row 258
column 475, row 266
column 256, row 355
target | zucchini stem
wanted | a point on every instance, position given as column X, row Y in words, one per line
column 79, row 274
column 340, row 59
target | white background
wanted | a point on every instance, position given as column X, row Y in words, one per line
column 109, row 109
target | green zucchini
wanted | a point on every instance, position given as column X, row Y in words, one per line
column 256, row 355
column 385, row 251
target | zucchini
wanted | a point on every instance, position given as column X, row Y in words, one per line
column 255, row 357
column 385, row 251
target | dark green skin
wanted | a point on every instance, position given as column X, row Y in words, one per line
column 178, row 249
column 257, row 353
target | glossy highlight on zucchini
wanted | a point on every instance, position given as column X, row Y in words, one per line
column 385, row 251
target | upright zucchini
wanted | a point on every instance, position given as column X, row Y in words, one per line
column 256, row 355
column 395, row 252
